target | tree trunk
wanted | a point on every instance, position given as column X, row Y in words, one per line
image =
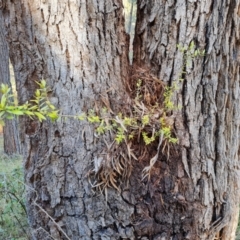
column 80, row 48
column 10, row 130
column 205, row 173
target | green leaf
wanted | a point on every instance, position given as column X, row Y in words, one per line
column 38, row 93
column 81, row 117
column 4, row 88
column 93, row 119
column 145, row 120
column 15, row 112
column 127, row 121
column 2, row 123
column 40, row 116
column 53, row 115
column 100, row 130
column 34, row 107
column 45, row 108
column 11, row 107
column 9, row 117
column 2, row 113
column 173, row 140
column 29, row 113
column 192, row 45
column 51, row 106
column 130, row 136
column 3, row 100
column 147, row 140
column 43, row 84
column 119, row 138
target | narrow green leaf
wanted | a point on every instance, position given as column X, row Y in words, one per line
column 40, row 116
column 3, row 100
column 53, row 115
column 15, row 112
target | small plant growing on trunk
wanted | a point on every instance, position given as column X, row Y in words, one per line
column 148, row 120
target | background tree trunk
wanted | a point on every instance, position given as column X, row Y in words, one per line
column 130, row 19
column 206, row 172
column 10, row 130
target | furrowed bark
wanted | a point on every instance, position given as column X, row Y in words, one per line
column 81, row 49
column 10, row 130
column 206, row 172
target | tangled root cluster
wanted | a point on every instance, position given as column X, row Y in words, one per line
column 142, row 124
column 150, row 91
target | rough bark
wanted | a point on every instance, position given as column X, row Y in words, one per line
column 81, row 49
column 10, row 130
column 206, row 172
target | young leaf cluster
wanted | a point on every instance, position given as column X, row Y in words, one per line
column 39, row 107
column 142, row 123
column 145, row 122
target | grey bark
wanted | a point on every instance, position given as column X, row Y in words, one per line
column 10, row 130
column 207, row 174
column 80, row 48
